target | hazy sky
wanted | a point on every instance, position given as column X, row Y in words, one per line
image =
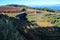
column 30, row 2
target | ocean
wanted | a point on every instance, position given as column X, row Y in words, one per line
column 54, row 7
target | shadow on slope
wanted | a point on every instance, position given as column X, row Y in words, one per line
column 20, row 29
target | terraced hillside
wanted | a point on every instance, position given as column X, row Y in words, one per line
column 35, row 15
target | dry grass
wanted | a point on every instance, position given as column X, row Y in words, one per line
column 12, row 14
column 44, row 24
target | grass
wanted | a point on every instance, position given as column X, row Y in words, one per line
column 46, row 19
column 45, row 24
column 42, row 17
column 16, row 30
column 12, row 14
column 31, row 17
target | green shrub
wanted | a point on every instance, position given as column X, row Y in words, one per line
column 33, row 21
column 57, row 23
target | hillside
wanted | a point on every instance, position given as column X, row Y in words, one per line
column 13, row 8
column 37, row 15
column 18, row 29
column 18, row 8
column 7, row 9
column 16, row 5
column 21, row 23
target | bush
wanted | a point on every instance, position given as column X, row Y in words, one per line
column 33, row 21
column 58, row 23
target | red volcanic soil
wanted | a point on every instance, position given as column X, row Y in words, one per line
column 9, row 9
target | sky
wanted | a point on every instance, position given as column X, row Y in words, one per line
column 30, row 2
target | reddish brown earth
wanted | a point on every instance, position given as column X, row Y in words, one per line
column 7, row 9
column 11, row 9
